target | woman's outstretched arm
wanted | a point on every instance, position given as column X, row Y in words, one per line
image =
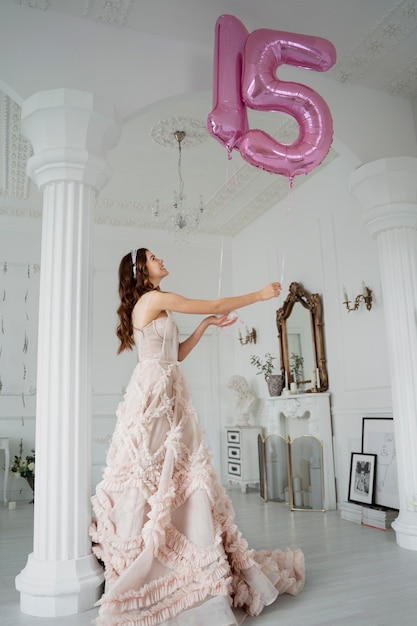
column 188, row 344
column 167, row 301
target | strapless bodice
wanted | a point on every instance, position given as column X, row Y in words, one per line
column 158, row 340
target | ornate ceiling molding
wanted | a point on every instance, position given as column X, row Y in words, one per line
column 113, row 12
column 20, row 212
column 34, row 4
column 384, row 37
column 404, row 83
column 16, row 151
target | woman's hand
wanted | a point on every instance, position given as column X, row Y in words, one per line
column 221, row 320
column 185, row 347
column 271, row 291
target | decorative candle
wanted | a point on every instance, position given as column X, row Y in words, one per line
column 298, row 499
column 296, row 483
column 286, row 380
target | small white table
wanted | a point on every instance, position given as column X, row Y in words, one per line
column 4, row 445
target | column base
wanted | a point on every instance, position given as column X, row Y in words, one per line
column 58, row 588
column 405, row 527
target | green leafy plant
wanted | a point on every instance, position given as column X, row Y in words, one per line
column 265, row 367
column 297, row 365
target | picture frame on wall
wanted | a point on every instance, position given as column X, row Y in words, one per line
column 362, row 478
column 378, row 438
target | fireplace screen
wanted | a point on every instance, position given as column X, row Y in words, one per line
column 292, row 471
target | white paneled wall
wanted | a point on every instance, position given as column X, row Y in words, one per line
column 19, row 300
column 319, row 235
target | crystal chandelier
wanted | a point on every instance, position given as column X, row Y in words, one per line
column 177, row 218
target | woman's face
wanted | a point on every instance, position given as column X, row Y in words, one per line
column 156, row 268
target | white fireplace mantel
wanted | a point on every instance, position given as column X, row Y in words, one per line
column 306, row 414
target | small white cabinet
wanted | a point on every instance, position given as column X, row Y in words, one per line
column 241, row 445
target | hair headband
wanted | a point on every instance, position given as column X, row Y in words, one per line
column 133, row 255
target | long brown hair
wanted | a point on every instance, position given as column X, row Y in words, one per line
column 133, row 283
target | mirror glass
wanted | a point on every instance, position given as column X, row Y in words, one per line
column 301, row 342
column 273, row 467
column 307, row 473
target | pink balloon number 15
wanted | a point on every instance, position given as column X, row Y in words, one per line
column 245, row 68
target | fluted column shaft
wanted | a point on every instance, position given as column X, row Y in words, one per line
column 64, row 380
column 387, row 190
column 70, row 132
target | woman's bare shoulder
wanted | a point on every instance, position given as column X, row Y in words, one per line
column 148, row 308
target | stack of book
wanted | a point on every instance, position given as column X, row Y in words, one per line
column 351, row 512
column 374, row 516
column 378, row 517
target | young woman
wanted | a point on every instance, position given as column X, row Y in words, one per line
column 164, row 527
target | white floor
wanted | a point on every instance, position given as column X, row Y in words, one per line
column 356, row 576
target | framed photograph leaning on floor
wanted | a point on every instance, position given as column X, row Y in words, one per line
column 378, row 438
column 362, row 478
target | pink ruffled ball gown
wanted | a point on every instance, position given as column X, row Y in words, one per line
column 164, row 526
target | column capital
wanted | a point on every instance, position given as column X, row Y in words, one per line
column 70, row 132
column 387, row 192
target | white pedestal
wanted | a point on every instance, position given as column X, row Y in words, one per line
column 50, row 588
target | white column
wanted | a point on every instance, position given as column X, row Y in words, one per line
column 387, row 191
column 70, row 132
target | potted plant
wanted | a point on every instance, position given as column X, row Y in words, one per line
column 275, row 382
column 297, row 365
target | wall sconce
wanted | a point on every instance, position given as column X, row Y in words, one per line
column 250, row 337
column 365, row 297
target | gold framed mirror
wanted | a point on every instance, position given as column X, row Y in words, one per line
column 300, row 337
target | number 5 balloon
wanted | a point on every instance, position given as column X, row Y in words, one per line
column 264, row 51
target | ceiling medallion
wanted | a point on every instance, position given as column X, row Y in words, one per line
column 195, row 131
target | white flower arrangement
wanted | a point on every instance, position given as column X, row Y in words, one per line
column 23, row 467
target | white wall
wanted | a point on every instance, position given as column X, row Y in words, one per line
column 20, row 249
column 325, row 248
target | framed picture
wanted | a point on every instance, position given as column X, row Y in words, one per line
column 378, row 438
column 362, row 478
